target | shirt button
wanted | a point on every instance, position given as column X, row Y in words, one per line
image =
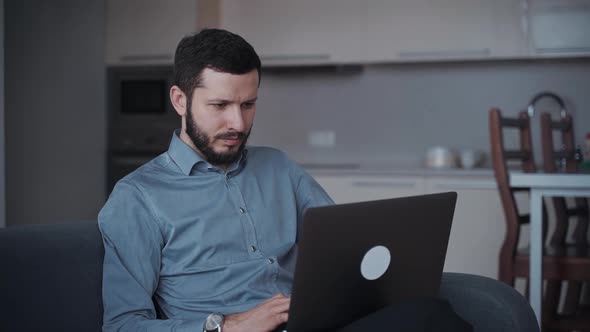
column 270, row 261
column 242, row 211
column 252, row 248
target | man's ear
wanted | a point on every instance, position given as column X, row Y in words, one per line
column 178, row 99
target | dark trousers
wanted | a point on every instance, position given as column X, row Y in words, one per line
column 416, row 315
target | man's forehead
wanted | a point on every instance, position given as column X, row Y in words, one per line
column 211, row 75
column 226, row 86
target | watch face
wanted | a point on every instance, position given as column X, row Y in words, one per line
column 213, row 321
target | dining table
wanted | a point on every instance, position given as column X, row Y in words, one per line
column 545, row 185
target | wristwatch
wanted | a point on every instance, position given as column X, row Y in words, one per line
column 214, row 322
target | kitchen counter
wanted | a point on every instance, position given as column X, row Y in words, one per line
column 391, row 169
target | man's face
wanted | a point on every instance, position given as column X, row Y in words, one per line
column 221, row 114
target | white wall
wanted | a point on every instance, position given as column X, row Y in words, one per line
column 2, row 183
column 392, row 112
column 55, row 102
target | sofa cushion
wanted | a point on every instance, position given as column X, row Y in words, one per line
column 51, row 277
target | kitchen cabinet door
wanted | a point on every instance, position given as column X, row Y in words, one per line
column 426, row 30
column 147, row 31
column 478, row 225
column 349, row 189
column 286, row 32
column 559, row 28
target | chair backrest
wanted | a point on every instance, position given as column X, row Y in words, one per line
column 500, row 157
column 552, row 157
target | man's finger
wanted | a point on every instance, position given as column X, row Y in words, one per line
column 273, row 298
column 277, row 304
column 281, row 307
column 283, row 317
column 273, row 302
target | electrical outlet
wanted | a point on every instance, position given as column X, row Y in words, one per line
column 321, row 138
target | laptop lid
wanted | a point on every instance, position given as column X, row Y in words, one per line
column 355, row 259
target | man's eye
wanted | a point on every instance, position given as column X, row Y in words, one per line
column 219, row 106
column 248, row 105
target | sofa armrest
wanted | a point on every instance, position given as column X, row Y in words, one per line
column 488, row 304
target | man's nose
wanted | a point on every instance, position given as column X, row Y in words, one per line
column 235, row 119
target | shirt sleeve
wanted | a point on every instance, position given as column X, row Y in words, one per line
column 309, row 192
column 133, row 243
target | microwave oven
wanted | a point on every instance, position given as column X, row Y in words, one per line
column 140, row 115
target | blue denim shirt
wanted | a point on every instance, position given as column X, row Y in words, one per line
column 200, row 239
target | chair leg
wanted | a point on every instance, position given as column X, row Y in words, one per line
column 572, row 297
column 551, row 306
column 584, row 306
column 561, row 222
column 580, row 234
column 551, row 299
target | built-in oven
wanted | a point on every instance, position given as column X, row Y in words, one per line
column 141, row 118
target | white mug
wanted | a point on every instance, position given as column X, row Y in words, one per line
column 469, row 158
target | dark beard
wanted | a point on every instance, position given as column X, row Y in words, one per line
column 202, row 142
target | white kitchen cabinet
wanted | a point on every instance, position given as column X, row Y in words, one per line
column 147, row 31
column 324, row 32
column 478, row 225
column 558, row 27
column 416, row 30
column 349, row 189
column 287, row 32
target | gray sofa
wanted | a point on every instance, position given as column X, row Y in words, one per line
column 50, row 280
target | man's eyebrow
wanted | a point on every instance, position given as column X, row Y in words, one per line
column 218, row 100
column 226, row 101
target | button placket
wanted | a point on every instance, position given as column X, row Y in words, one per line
column 246, row 220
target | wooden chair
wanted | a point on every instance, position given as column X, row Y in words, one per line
column 558, row 263
column 554, row 158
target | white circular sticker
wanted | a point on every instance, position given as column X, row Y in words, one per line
column 375, row 263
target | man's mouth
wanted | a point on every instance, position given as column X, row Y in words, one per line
column 232, row 141
column 231, row 137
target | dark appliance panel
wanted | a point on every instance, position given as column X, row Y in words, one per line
column 141, row 118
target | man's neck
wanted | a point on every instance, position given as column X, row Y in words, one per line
column 187, row 140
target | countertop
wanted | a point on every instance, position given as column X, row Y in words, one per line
column 384, row 169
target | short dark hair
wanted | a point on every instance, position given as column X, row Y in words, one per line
column 216, row 49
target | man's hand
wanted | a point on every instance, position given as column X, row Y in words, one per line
column 265, row 317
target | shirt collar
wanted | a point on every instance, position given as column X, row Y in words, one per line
column 186, row 158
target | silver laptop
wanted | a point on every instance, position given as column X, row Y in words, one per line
column 355, row 259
